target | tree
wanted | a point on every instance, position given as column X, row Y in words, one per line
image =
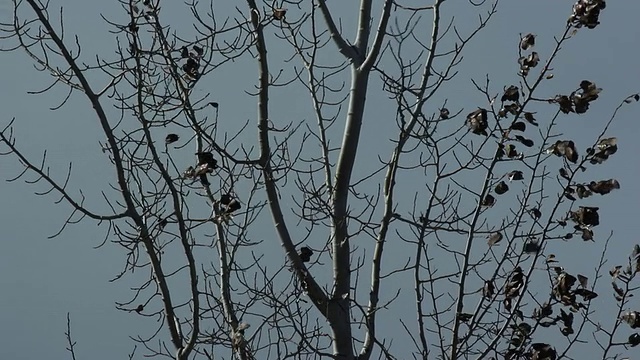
column 464, row 201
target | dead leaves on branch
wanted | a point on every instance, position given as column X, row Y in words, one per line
column 527, row 41
column 512, row 287
column 192, row 65
column 579, row 100
column 477, row 122
column 604, row 149
column 528, row 62
column 566, row 148
column 625, row 275
column 586, row 13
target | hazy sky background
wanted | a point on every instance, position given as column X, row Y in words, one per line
column 43, row 279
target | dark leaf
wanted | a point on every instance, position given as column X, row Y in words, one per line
column 586, row 216
column 494, row 238
column 515, row 175
column 305, row 254
column 501, row 188
column 512, row 93
column 527, row 41
column 632, row 318
column 583, row 280
column 529, row 117
column 279, row 14
column 616, row 288
column 518, row 126
column 587, row 234
column 171, row 138
column 233, row 206
column 565, row 148
column 582, row 191
column 607, row 143
column 510, row 150
column 535, row 213
column 464, row 317
column 604, row 187
column 565, row 103
column 206, row 158
column 586, row 294
column 531, row 247
column 526, row 142
column 488, row 200
column 488, row 289
column 225, row 199
column 477, row 122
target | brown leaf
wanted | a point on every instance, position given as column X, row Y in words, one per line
column 494, row 238
column 526, row 142
column 583, row 280
column 501, row 188
column 527, row 41
column 279, row 14
column 529, row 117
column 488, row 200
column 512, row 93
column 477, row 122
column 518, row 126
column 515, row 175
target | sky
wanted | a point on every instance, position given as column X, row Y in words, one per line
column 44, row 279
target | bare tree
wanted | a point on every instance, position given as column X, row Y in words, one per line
column 464, row 201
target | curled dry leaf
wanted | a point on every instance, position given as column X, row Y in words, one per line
column 565, row 148
column 527, row 41
column 518, row 126
column 529, row 117
column 488, row 200
column 171, row 138
column 515, row 175
column 512, row 93
column 477, row 122
column 305, row 254
column 494, row 238
column 524, row 141
column 501, row 188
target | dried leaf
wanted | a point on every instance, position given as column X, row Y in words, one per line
column 535, row 213
column 583, row 280
column 501, row 188
column 518, row 126
column 515, row 175
column 279, row 14
column 526, row 142
column 171, row 138
column 527, row 41
column 477, row 122
column 494, row 238
column 305, row 254
column 529, row 117
column 512, row 93
column 488, row 200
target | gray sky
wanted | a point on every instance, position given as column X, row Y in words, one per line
column 43, row 279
